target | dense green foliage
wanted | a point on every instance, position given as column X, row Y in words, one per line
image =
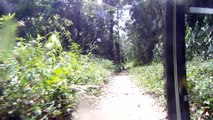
column 144, row 30
column 43, row 70
column 37, row 83
column 38, row 80
column 83, row 21
column 200, row 85
column 151, row 77
column 199, row 42
column 199, row 76
column 151, row 80
column 62, row 45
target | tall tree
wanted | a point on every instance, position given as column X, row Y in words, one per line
column 146, row 26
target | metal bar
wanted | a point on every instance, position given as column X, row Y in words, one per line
column 175, row 64
column 178, row 112
column 200, row 10
column 181, row 62
column 169, row 62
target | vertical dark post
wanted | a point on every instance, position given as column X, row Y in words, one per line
column 181, row 63
column 168, row 43
column 177, row 96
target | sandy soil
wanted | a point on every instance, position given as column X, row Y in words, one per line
column 120, row 99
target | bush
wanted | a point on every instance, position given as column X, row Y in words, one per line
column 200, row 84
column 150, row 77
column 36, row 79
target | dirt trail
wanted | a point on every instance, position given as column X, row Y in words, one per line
column 121, row 99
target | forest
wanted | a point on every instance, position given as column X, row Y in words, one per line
column 53, row 50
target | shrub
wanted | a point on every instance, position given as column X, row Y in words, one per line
column 200, row 84
column 37, row 79
column 150, row 77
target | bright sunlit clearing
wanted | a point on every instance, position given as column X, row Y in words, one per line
column 99, row 2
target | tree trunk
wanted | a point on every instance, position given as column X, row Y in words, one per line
column 111, row 44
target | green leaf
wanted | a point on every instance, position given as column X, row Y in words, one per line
column 53, row 79
column 58, row 71
column 53, row 42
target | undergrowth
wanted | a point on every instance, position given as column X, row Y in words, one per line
column 150, row 78
column 37, row 79
column 200, row 85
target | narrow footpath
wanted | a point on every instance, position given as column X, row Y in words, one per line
column 121, row 99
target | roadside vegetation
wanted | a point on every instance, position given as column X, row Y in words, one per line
column 200, row 85
column 145, row 54
column 51, row 50
column 39, row 80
